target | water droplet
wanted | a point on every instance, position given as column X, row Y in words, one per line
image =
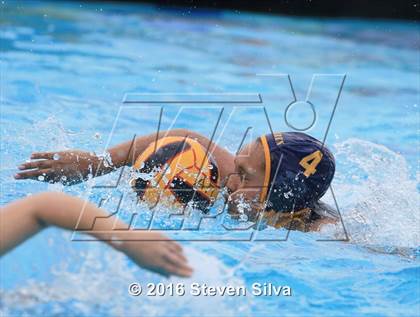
column 41, row 178
column 56, row 157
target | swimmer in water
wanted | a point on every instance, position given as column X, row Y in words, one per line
column 279, row 178
column 25, row 217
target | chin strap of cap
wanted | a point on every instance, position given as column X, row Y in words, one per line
column 267, row 157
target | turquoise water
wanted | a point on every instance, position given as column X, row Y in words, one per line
column 65, row 70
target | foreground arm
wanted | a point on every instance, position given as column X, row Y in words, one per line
column 24, row 218
column 76, row 165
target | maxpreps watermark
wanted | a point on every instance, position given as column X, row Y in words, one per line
column 183, row 223
column 204, row 289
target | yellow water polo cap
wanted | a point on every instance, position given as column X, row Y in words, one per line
column 176, row 171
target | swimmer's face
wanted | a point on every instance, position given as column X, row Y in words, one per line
column 246, row 183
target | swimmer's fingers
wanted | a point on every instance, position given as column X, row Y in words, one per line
column 175, row 246
column 34, row 174
column 172, row 269
column 175, row 264
column 43, row 155
column 36, row 164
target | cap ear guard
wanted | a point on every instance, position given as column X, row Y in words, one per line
column 288, row 196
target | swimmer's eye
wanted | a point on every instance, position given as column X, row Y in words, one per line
column 243, row 175
column 241, row 172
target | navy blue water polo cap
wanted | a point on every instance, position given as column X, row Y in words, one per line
column 298, row 171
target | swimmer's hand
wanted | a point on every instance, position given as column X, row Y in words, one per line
column 76, row 166
column 163, row 256
column 68, row 167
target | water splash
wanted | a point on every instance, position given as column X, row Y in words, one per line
column 377, row 196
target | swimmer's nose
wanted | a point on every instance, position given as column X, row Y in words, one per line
column 232, row 185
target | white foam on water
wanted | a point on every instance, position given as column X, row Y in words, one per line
column 377, row 196
column 207, row 270
column 101, row 284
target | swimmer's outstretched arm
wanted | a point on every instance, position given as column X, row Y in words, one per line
column 23, row 218
column 74, row 166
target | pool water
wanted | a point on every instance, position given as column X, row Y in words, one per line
column 66, row 68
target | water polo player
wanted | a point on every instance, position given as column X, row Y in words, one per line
column 280, row 177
